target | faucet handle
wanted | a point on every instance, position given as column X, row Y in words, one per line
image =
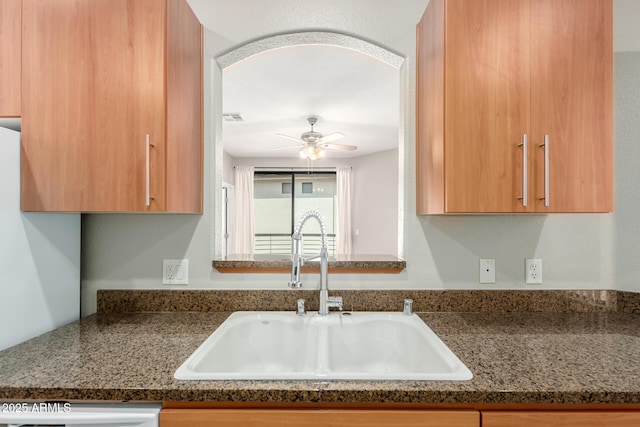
column 408, row 307
column 300, row 307
column 335, row 302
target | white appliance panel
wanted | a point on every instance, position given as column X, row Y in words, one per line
column 39, row 259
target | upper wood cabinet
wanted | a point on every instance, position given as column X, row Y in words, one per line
column 112, row 116
column 515, row 106
column 10, row 57
column 572, row 103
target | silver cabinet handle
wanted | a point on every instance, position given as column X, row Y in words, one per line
column 546, row 171
column 147, row 179
column 524, row 170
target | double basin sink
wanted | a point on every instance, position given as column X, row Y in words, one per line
column 337, row 346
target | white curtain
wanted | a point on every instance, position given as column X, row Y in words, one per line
column 243, row 226
column 344, row 243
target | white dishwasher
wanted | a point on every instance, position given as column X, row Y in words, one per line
column 59, row 414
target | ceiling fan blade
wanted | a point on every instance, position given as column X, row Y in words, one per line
column 288, row 146
column 331, row 137
column 339, row 147
column 288, row 137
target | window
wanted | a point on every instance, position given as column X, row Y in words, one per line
column 307, row 187
column 280, row 198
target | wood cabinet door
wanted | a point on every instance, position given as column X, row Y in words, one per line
column 572, row 103
column 184, row 110
column 93, row 88
column 560, row 418
column 10, row 57
column 430, row 176
column 487, row 99
column 317, row 418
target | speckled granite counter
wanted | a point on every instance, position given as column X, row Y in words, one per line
column 424, row 300
column 515, row 358
column 342, row 264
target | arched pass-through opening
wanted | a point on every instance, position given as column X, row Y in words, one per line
column 310, row 38
column 321, row 38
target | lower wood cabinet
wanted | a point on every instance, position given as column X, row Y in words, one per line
column 317, row 418
column 593, row 418
column 282, row 417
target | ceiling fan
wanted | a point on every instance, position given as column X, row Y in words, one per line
column 314, row 143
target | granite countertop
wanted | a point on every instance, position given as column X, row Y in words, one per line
column 249, row 263
column 575, row 358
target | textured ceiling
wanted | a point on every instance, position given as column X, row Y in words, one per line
column 277, row 90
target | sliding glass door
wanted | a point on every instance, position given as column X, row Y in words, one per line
column 280, row 198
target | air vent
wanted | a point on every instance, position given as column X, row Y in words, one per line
column 232, row 117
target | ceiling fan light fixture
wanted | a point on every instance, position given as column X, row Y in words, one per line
column 311, row 153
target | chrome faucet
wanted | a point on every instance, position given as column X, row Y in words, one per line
column 326, row 302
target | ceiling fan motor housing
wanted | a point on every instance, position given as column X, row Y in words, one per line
column 313, row 140
column 311, row 137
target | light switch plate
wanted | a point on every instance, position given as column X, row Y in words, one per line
column 487, row 271
column 175, row 272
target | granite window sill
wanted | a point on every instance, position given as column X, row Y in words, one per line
column 346, row 264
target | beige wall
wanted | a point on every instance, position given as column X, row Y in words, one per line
column 228, row 175
column 626, row 232
column 578, row 251
column 375, row 203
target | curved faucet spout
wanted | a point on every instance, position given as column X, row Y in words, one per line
column 296, row 249
column 298, row 260
column 303, row 219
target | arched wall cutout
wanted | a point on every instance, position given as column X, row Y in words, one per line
column 324, row 38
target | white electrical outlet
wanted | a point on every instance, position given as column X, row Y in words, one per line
column 175, row 272
column 533, row 271
column 487, row 271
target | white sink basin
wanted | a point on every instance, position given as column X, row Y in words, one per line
column 341, row 346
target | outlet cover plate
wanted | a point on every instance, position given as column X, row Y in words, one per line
column 533, row 271
column 175, row 272
column 487, row 271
